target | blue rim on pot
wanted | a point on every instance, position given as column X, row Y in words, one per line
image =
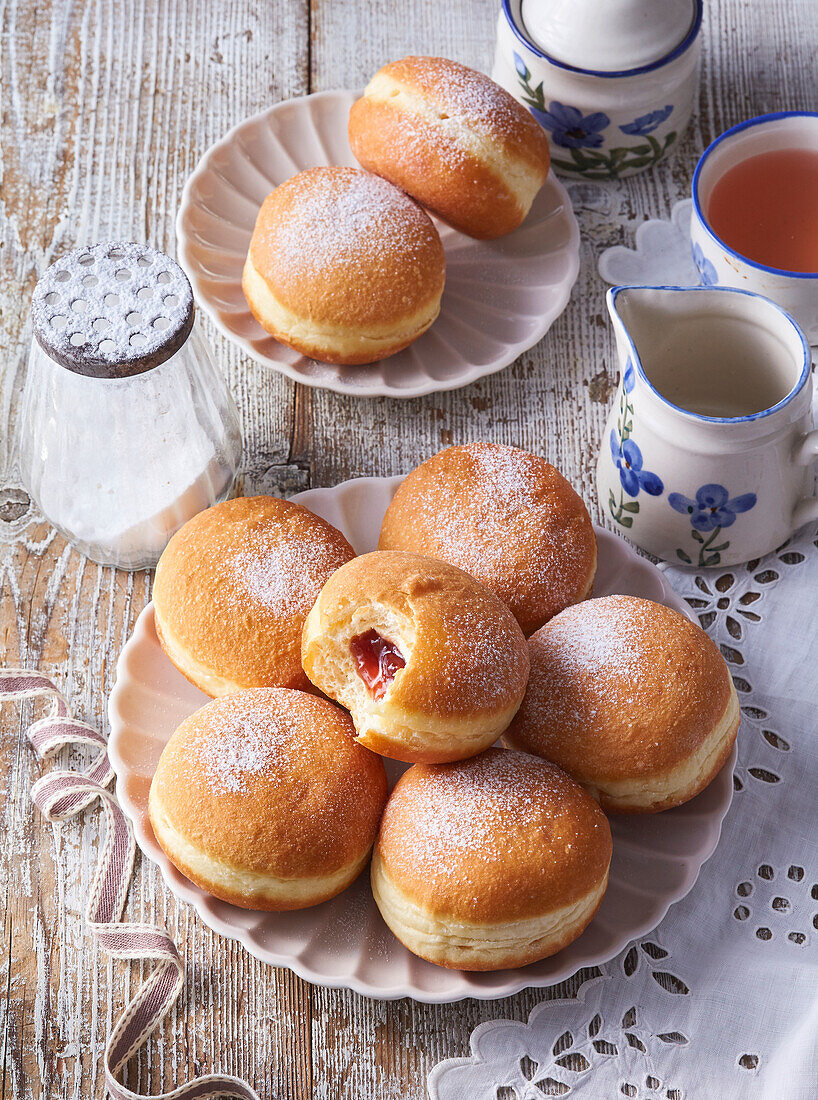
column 759, row 120
column 677, row 51
column 803, row 378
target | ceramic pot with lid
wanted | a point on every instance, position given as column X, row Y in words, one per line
column 612, row 81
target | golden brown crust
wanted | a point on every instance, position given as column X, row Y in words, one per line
column 507, row 517
column 269, row 782
column 234, row 586
column 454, row 140
column 466, row 658
column 497, row 838
column 624, row 692
column 343, row 266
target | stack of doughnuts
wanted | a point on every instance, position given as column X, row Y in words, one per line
column 345, row 265
column 472, row 622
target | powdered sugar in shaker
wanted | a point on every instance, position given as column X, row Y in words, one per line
column 127, row 428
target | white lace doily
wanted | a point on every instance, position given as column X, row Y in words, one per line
column 721, row 1001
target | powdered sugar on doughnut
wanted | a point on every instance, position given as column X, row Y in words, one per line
column 472, row 807
column 488, row 649
column 251, row 741
column 506, row 517
column 591, row 660
column 606, row 639
column 485, row 824
column 274, row 735
column 503, row 501
column 343, row 216
column 281, row 576
column 467, row 100
column 473, row 96
column 620, row 687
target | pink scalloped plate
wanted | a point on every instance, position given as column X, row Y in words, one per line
column 501, row 296
column 344, row 942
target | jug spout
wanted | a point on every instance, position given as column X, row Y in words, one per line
column 640, row 314
column 634, row 312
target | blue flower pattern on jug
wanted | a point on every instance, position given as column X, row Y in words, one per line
column 646, row 124
column 583, row 135
column 707, row 270
column 521, row 67
column 710, row 512
column 628, row 459
column 629, row 377
column 570, row 128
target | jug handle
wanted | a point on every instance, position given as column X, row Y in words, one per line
column 806, row 452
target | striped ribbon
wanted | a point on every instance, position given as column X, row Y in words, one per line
column 61, row 795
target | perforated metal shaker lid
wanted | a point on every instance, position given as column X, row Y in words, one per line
column 112, row 310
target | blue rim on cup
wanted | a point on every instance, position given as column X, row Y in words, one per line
column 759, row 120
column 677, row 51
column 718, row 262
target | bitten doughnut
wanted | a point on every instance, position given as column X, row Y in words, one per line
column 507, row 517
column 491, row 862
column 233, row 588
column 264, row 800
column 452, row 139
column 632, row 699
column 343, row 266
column 431, row 665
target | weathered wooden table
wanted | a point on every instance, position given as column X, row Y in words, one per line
column 106, row 109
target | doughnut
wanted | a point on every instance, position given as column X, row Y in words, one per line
column 452, row 139
column 343, row 267
column 263, row 799
column 491, row 862
column 431, row 665
column 630, row 698
column 233, row 588
column 507, row 517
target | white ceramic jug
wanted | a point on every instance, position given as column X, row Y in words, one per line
column 706, row 457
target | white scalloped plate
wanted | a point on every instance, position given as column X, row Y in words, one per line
column 501, row 296
column 344, row 942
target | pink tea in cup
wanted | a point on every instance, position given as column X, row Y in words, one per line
column 766, row 209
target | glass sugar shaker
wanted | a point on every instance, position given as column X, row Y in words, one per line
column 127, row 426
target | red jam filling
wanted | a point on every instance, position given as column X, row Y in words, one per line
column 378, row 661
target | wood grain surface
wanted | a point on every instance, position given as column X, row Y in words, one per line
column 106, row 108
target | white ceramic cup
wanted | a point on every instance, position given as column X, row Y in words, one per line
column 721, row 265
column 601, row 124
column 708, row 450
